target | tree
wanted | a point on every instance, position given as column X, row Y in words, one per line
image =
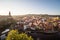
column 6, row 23
column 24, row 36
column 14, row 35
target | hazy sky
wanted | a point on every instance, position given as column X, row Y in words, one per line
column 22, row 7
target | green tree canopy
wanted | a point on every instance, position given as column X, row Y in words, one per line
column 14, row 35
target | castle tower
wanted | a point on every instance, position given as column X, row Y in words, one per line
column 9, row 13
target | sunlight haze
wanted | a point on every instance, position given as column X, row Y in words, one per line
column 23, row 7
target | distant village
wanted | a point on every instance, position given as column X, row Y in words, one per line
column 18, row 17
column 29, row 23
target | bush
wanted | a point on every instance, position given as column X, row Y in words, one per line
column 14, row 35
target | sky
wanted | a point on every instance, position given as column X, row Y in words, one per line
column 23, row 7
